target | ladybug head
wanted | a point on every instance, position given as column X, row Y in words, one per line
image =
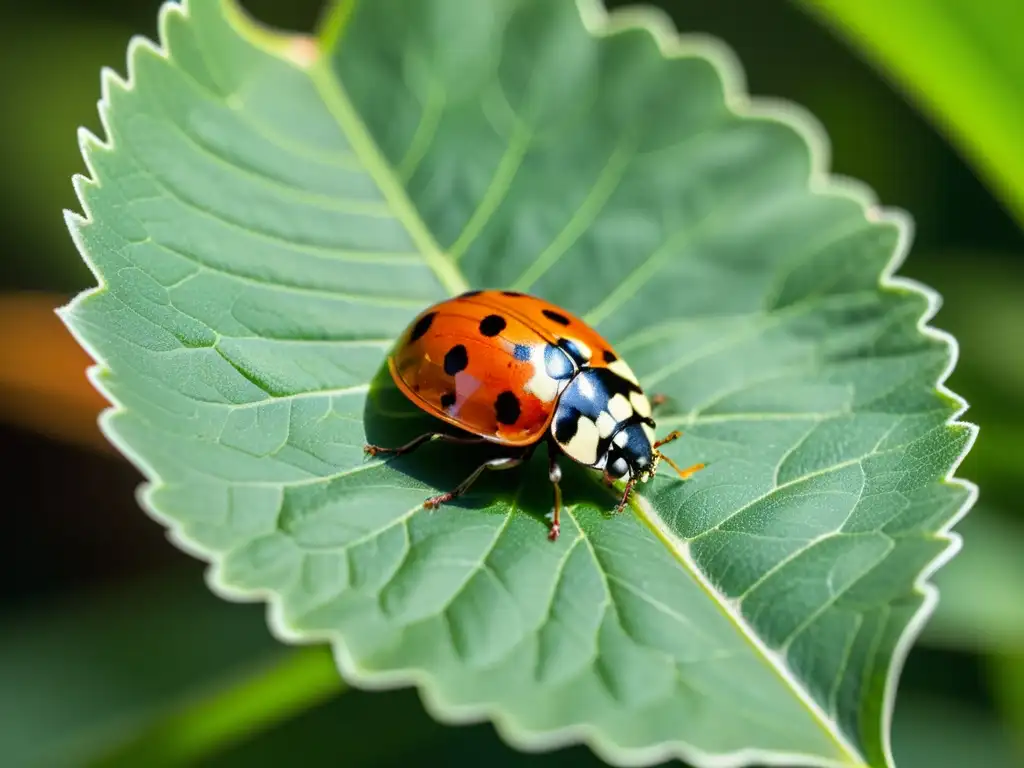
column 630, row 455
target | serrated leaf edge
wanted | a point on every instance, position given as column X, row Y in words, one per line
column 599, row 22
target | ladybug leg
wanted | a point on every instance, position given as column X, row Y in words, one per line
column 684, row 474
column 630, row 484
column 412, row 445
column 507, row 462
column 555, row 476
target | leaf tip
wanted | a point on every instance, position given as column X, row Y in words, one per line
column 74, row 220
column 110, row 81
column 89, row 144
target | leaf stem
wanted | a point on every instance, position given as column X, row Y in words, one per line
column 267, row 695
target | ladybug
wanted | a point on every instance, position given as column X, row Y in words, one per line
column 511, row 369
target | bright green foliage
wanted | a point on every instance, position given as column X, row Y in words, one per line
column 960, row 60
column 263, row 230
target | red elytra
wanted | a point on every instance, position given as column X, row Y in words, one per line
column 511, row 369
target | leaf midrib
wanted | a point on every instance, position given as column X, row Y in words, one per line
column 340, row 107
column 645, row 510
column 383, row 173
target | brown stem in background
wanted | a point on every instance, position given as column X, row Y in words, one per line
column 43, row 386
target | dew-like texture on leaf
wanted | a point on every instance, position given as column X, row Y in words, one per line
column 263, row 229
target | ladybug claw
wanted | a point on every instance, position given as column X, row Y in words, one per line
column 553, row 533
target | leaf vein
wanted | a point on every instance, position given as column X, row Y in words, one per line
column 355, row 206
column 501, row 182
column 583, row 217
column 284, row 286
column 345, row 159
column 285, row 243
column 832, row 600
column 775, row 489
column 426, row 130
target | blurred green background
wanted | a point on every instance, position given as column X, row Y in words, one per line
column 108, row 633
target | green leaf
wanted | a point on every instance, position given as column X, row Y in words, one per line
column 983, row 310
column 265, row 222
column 139, row 649
column 935, row 733
column 372, row 728
column 36, row 156
column 982, row 609
column 962, row 62
column 1006, row 678
column 221, row 718
column 927, row 733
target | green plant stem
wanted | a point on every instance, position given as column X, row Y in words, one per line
column 269, row 694
column 964, row 71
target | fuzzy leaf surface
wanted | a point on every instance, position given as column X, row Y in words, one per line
column 264, row 223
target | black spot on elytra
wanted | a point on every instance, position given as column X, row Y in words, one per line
column 556, row 317
column 514, row 294
column 492, row 325
column 422, row 326
column 609, row 356
column 506, row 408
column 447, row 399
column 455, row 360
column 468, row 294
column 565, row 428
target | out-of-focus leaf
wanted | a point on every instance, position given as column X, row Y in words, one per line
column 81, row 675
column 49, row 68
column 1007, row 680
column 43, row 385
column 199, row 728
column 962, row 61
column 983, row 308
column 982, row 589
column 927, row 733
column 266, row 222
column 930, row 733
column 383, row 729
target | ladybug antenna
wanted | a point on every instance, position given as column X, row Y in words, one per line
column 670, row 437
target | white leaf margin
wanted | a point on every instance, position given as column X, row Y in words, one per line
column 301, row 51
